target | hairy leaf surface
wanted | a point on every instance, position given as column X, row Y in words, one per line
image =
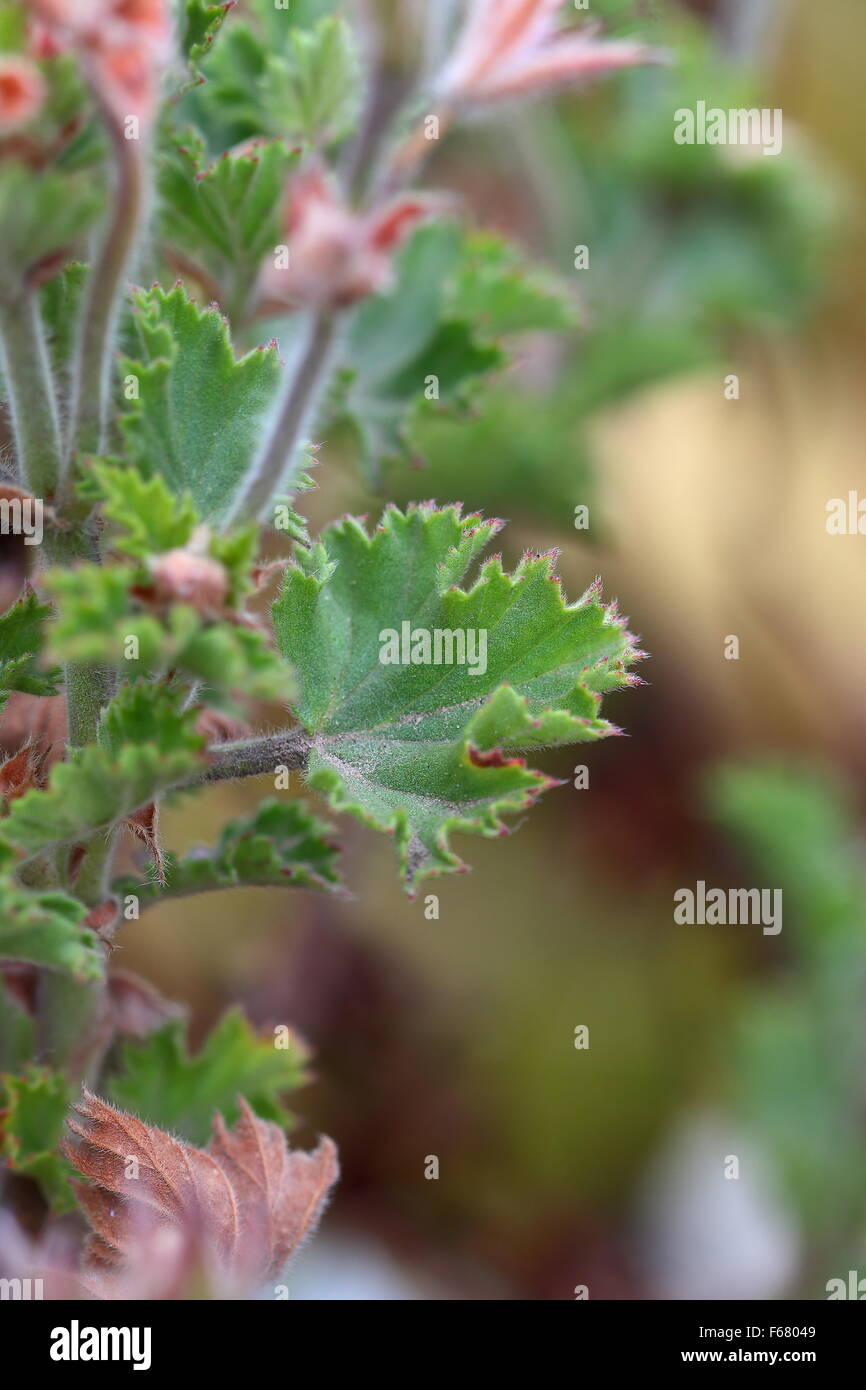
column 421, row 749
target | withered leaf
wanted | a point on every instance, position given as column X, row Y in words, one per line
column 19, row 773
column 248, row 1199
column 39, row 719
column 145, row 825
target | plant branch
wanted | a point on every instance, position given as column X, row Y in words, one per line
column 293, row 414
column 92, row 386
column 88, row 687
column 69, row 1029
column 32, row 398
column 248, row 757
column 93, row 877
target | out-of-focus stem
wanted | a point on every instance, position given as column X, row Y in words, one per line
column 68, row 1022
column 93, row 380
column 32, row 398
column 293, row 414
column 88, row 687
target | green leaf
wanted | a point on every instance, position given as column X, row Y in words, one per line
column 224, row 217
column 102, row 620
column 13, row 28
column 34, row 1107
column 312, row 92
column 17, row 1031
column 45, row 928
column 227, row 108
column 153, row 518
column 161, row 1083
column 420, row 749
column 200, row 412
column 799, row 1047
column 141, row 714
column 797, row 824
column 202, row 22
column 148, row 746
column 496, row 291
column 281, row 846
column 21, row 629
column 41, row 214
column 425, row 345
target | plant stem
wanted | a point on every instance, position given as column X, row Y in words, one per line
column 92, row 879
column 32, row 399
column 88, row 687
column 250, row 756
column 68, row 1011
column 93, row 381
column 68, row 1027
column 292, row 416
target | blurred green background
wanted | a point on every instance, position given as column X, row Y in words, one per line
column 455, row 1037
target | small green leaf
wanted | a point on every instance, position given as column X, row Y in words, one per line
column 281, row 846
column 41, row 214
column 200, row 411
column 312, row 92
column 496, row 291
column 45, row 928
column 161, row 1083
column 418, row 747
column 34, row 1107
column 147, row 747
column 224, row 216
column 227, row 108
column 425, row 345
column 101, row 620
column 202, row 22
column 152, row 517
column 142, row 713
column 21, row 632
column 17, row 1032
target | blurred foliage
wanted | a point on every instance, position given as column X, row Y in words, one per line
column 799, row 1070
column 688, row 246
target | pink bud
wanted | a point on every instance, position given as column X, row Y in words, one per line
column 124, row 43
column 515, row 47
column 336, row 255
column 22, row 92
column 183, row 577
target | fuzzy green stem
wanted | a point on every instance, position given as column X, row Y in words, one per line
column 93, row 381
column 248, row 757
column 32, row 398
column 92, row 883
column 69, row 1012
column 292, row 416
column 88, row 687
column 68, row 1029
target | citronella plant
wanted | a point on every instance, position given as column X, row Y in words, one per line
column 177, row 184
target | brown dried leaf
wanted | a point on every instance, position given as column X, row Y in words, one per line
column 247, row 1199
column 19, row 773
column 41, row 719
column 103, row 917
column 145, row 825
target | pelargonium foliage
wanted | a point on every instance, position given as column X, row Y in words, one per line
column 216, row 250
